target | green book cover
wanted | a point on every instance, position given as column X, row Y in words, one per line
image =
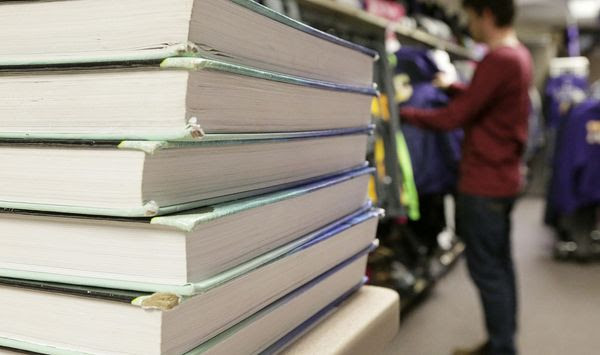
column 115, row 289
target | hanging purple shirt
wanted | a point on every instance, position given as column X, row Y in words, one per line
column 576, row 176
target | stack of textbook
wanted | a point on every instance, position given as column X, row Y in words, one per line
column 178, row 176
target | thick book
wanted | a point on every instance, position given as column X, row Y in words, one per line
column 99, row 320
column 194, row 245
column 263, row 332
column 240, row 31
column 146, row 178
column 188, row 99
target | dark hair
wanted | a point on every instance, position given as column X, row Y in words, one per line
column 504, row 11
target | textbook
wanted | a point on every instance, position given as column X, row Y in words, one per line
column 99, row 320
column 42, row 33
column 262, row 332
column 175, row 250
column 188, row 99
column 147, row 178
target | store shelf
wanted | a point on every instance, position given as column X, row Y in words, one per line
column 361, row 21
column 367, row 22
column 422, row 286
column 448, row 259
column 419, row 36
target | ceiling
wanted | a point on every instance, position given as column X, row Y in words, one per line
column 558, row 12
column 550, row 12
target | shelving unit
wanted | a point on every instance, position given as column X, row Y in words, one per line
column 369, row 30
column 372, row 23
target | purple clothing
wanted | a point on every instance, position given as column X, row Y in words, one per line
column 560, row 93
column 434, row 155
column 416, row 63
column 434, row 167
column 576, row 177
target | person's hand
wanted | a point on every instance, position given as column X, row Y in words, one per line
column 442, row 80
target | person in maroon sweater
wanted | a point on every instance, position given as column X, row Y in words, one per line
column 493, row 111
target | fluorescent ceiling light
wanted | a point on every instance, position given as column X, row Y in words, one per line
column 584, row 9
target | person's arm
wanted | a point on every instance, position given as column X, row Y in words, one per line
column 465, row 107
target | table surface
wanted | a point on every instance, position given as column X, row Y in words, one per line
column 364, row 324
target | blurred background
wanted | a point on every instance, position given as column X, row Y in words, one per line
column 556, row 230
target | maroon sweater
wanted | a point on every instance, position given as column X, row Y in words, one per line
column 493, row 110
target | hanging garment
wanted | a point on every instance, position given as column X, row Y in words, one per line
column 560, row 95
column 409, row 197
column 576, row 172
column 408, row 192
column 561, row 92
column 434, row 155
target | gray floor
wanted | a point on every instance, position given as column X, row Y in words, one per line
column 560, row 302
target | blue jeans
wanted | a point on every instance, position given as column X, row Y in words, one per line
column 484, row 225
